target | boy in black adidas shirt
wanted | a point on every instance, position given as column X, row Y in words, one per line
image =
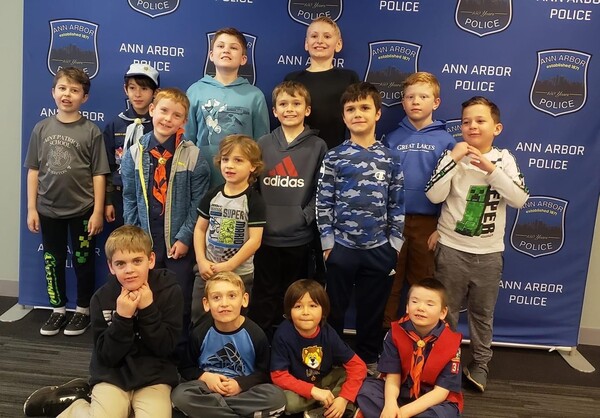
column 292, row 154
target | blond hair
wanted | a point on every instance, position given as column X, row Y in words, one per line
column 329, row 21
column 224, row 276
column 127, row 238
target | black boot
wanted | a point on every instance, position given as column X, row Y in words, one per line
column 52, row 400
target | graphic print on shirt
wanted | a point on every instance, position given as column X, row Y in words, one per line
column 480, row 213
column 227, row 358
column 222, row 119
column 312, row 356
column 62, row 150
column 227, row 230
column 284, row 174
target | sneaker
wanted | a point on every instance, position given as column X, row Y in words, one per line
column 477, row 376
column 315, row 413
column 53, row 400
column 53, row 325
column 78, row 324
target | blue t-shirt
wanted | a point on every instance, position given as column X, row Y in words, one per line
column 308, row 359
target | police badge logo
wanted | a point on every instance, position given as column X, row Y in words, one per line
column 154, row 8
column 390, row 62
column 483, row 17
column 560, row 83
column 73, row 44
column 306, row 11
column 539, row 227
column 453, row 127
column 248, row 70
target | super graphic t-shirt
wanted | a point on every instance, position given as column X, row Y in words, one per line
column 229, row 218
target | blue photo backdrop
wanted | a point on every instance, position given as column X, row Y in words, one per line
column 535, row 59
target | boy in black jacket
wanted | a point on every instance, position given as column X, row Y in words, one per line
column 136, row 321
column 292, row 154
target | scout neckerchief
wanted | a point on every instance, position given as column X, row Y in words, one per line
column 159, row 189
column 133, row 133
column 418, row 360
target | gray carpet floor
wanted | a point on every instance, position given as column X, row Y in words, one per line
column 523, row 383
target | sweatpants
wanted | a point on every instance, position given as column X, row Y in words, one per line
column 476, row 279
column 194, row 399
column 55, row 233
column 109, row 401
column 369, row 274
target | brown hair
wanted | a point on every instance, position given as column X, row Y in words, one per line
column 423, row 77
column 359, row 91
column 480, row 100
column 293, row 88
column 174, row 94
column 433, row 285
column 248, row 147
column 233, row 32
column 224, row 276
column 128, row 238
column 298, row 289
column 75, row 75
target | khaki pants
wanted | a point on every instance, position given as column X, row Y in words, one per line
column 333, row 382
column 109, row 401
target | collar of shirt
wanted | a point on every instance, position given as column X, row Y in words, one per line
column 408, row 326
column 168, row 145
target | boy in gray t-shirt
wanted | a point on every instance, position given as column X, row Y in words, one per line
column 67, row 164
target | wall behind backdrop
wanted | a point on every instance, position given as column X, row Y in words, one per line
column 535, row 59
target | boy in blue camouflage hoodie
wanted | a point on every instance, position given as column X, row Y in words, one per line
column 360, row 215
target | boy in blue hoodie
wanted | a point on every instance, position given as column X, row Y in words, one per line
column 226, row 104
column 420, row 142
column 292, row 154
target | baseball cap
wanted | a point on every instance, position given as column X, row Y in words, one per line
column 145, row 70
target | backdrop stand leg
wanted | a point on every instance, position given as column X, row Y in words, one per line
column 15, row 313
column 576, row 360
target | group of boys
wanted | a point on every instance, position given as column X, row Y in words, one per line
column 368, row 199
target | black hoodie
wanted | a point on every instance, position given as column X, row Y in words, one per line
column 288, row 186
column 132, row 353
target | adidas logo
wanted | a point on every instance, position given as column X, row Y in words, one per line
column 283, row 175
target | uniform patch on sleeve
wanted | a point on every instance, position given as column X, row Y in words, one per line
column 455, row 369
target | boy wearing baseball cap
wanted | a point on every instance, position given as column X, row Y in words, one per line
column 141, row 83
